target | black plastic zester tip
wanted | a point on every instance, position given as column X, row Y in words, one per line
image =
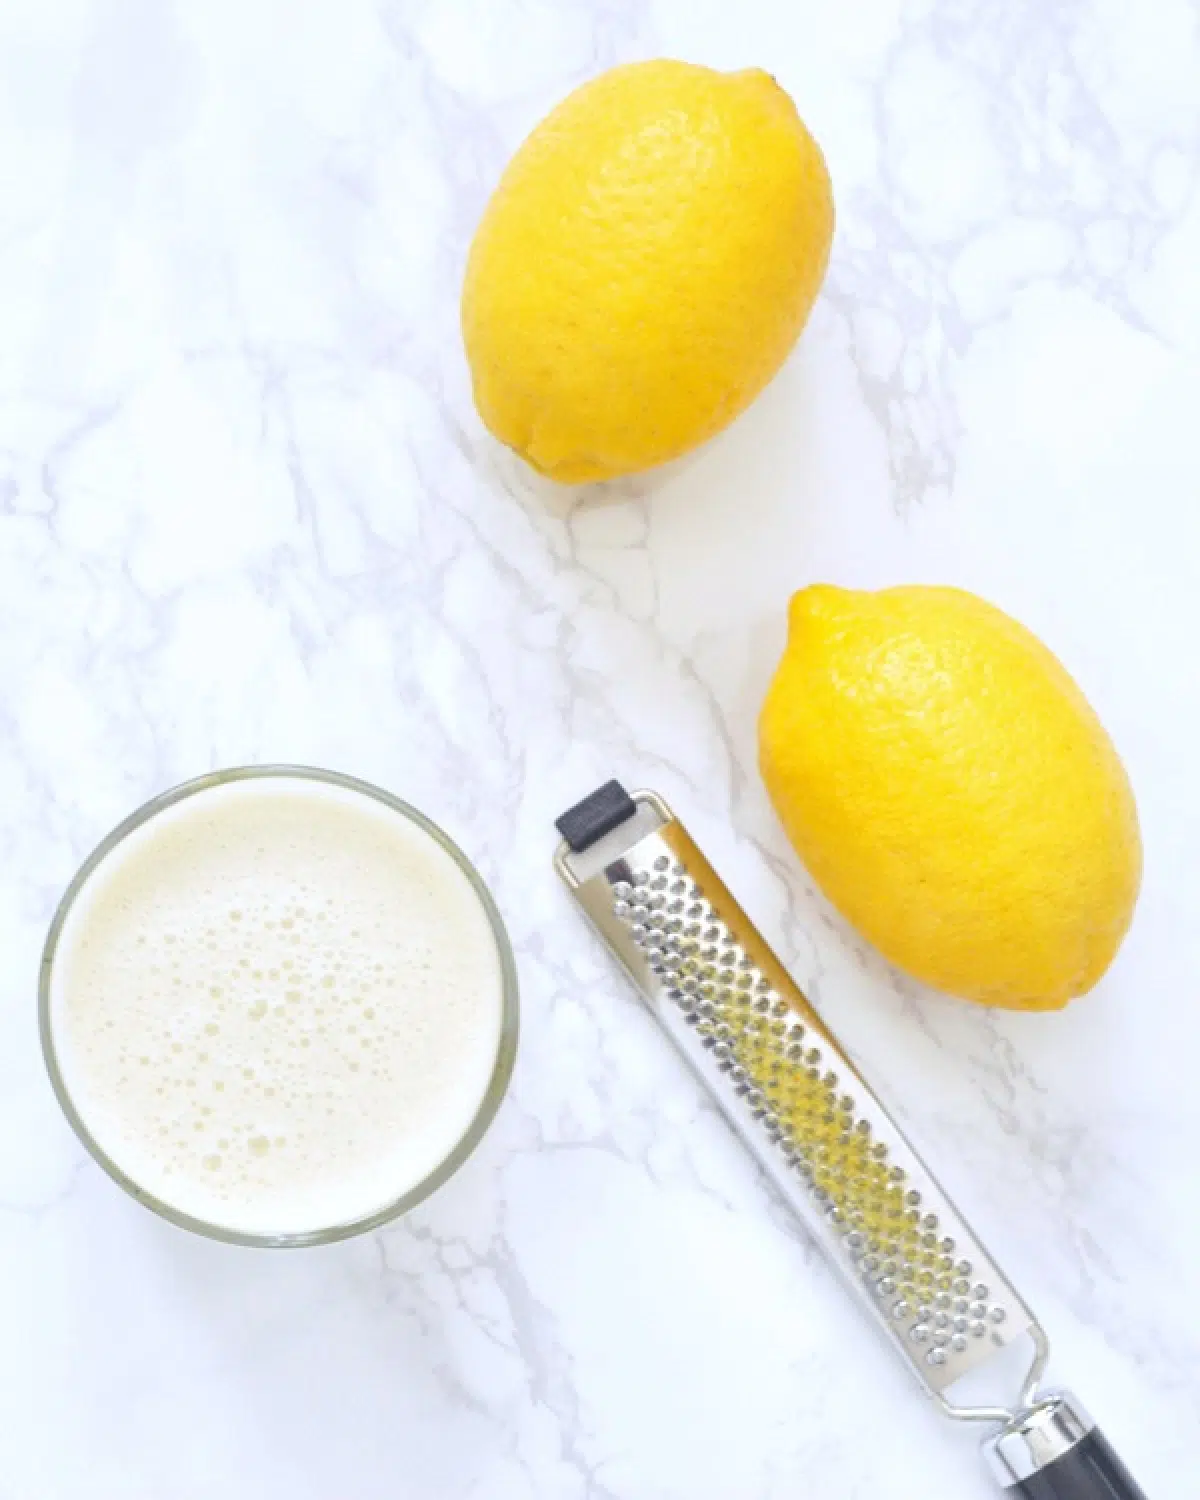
column 589, row 820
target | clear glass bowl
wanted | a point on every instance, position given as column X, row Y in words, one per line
column 505, row 1051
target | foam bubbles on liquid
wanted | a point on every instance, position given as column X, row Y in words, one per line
column 236, row 1085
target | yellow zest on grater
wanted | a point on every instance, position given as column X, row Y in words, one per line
column 833, row 1152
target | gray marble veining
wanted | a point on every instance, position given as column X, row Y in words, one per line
column 247, row 512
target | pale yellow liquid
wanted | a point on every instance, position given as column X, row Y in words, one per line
column 277, row 1006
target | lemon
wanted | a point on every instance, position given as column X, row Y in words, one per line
column 952, row 792
column 646, row 263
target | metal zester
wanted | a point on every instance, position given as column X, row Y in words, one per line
column 783, row 1082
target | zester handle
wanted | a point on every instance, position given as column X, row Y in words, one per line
column 822, row 1136
column 1054, row 1452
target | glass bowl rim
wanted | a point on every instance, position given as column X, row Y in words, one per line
column 505, row 1050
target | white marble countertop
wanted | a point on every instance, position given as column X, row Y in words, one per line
column 247, row 512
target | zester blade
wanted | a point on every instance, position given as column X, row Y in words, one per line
column 786, row 1086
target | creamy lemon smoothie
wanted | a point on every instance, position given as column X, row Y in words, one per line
column 278, row 1006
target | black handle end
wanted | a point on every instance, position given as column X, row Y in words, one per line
column 1089, row 1470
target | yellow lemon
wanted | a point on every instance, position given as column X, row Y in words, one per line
column 952, row 792
column 646, row 263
